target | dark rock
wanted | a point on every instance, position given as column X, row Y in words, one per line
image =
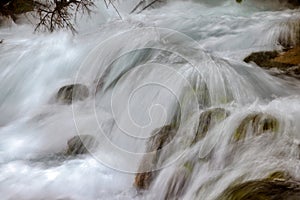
column 160, row 138
column 81, row 144
column 264, row 59
column 265, row 189
column 258, row 123
column 294, row 2
column 177, row 185
column 286, row 63
column 69, row 93
column 207, row 120
column 16, row 7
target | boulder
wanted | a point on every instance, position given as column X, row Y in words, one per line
column 81, row 144
column 178, row 183
column 294, row 2
column 287, row 62
column 289, row 35
column 207, row 120
column 264, row 59
column 69, row 93
column 160, row 138
column 272, row 188
column 9, row 8
column 257, row 124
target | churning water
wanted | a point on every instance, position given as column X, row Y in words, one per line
column 175, row 64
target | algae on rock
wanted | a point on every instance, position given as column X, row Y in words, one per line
column 257, row 124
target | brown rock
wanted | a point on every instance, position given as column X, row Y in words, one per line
column 287, row 63
column 160, row 138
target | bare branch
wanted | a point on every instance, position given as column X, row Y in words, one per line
column 150, row 4
column 59, row 14
column 137, row 6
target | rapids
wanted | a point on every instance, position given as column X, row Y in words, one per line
column 165, row 65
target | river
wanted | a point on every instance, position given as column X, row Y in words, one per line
column 168, row 64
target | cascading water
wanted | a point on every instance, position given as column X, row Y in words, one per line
column 178, row 66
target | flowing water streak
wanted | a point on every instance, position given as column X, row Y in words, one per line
column 166, row 65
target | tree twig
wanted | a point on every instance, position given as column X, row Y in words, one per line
column 147, row 6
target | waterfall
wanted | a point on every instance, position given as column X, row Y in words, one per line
column 170, row 102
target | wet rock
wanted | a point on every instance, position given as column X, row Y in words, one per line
column 286, row 63
column 291, row 58
column 289, row 36
column 279, row 175
column 177, row 185
column 160, row 138
column 256, row 124
column 264, row 59
column 207, row 120
column 81, row 144
column 69, row 93
column 294, row 2
column 143, row 180
column 265, row 189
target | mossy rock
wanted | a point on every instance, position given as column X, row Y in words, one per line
column 266, row 189
column 258, row 123
column 81, row 144
column 207, row 120
column 279, row 175
column 70, row 93
column 160, row 138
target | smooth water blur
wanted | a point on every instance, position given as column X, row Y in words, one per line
column 181, row 57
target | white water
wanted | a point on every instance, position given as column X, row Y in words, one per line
column 159, row 62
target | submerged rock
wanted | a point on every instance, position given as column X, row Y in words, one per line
column 289, row 36
column 279, row 175
column 81, row 144
column 265, row 189
column 256, row 124
column 160, row 138
column 177, row 185
column 69, row 93
column 207, row 120
column 143, row 180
